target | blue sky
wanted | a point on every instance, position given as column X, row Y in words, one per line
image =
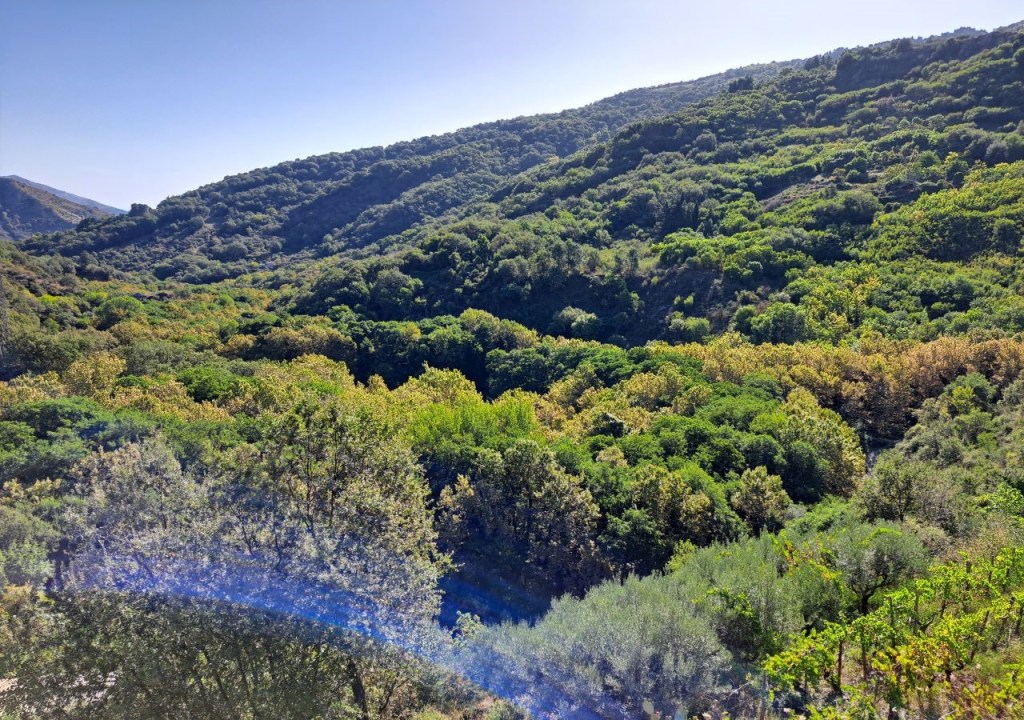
column 134, row 100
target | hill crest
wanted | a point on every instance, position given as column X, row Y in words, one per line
column 28, row 208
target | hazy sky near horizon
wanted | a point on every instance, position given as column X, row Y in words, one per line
column 134, row 100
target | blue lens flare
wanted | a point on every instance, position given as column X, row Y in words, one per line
column 279, row 602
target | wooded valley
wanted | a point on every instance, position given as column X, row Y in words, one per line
column 705, row 400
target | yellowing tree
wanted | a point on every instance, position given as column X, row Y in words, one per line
column 93, row 375
column 761, row 500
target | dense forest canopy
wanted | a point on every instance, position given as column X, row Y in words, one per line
column 703, row 400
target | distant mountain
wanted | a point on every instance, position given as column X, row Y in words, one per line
column 77, row 199
column 27, row 208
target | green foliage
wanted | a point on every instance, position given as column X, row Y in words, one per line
column 916, row 643
column 205, row 383
column 760, row 500
column 610, row 653
column 519, row 508
column 876, row 557
column 283, row 512
column 986, row 214
column 780, row 323
column 117, row 309
column 48, row 417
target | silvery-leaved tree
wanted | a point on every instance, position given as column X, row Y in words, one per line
column 299, row 579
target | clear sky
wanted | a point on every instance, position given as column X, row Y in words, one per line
column 134, row 100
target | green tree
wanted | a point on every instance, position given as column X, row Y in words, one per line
column 286, row 585
column 876, row 557
column 780, row 323
column 522, row 506
column 117, row 309
column 895, row 488
column 760, row 500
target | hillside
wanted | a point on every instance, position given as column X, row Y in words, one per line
column 721, row 213
column 880, row 193
column 27, row 208
column 351, row 199
column 77, row 199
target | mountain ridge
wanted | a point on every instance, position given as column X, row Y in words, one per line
column 341, row 202
column 367, row 194
column 77, row 199
column 28, row 208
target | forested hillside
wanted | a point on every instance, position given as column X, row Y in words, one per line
column 717, row 413
column 347, row 200
column 787, row 212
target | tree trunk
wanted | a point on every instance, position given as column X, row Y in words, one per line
column 358, row 690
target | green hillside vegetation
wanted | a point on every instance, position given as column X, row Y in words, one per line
column 325, row 203
column 717, row 414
